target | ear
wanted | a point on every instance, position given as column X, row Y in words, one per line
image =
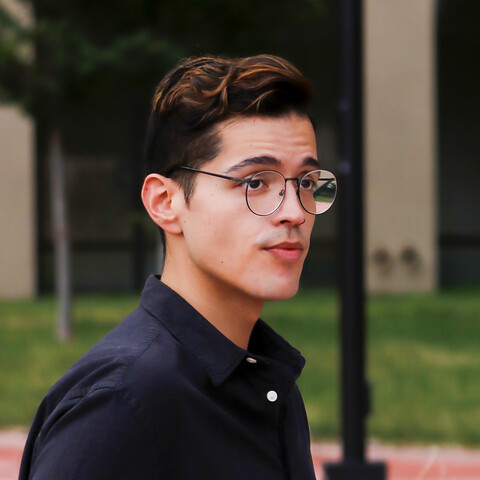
column 160, row 196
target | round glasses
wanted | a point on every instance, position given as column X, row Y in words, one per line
column 265, row 190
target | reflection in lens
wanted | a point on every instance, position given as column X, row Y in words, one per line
column 321, row 198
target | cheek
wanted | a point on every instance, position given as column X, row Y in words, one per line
column 221, row 226
column 213, row 237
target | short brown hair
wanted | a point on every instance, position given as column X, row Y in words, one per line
column 199, row 93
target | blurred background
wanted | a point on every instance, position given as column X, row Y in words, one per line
column 84, row 72
column 98, row 63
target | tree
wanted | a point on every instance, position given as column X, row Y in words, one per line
column 75, row 51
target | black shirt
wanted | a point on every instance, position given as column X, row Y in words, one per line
column 165, row 395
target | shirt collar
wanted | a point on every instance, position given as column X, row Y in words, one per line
column 217, row 353
column 268, row 343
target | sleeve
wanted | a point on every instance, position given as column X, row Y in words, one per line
column 100, row 437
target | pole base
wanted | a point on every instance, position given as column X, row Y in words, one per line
column 355, row 471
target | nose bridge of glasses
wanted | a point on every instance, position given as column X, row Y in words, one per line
column 293, row 180
column 296, row 186
column 282, row 185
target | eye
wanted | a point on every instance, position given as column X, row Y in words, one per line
column 261, row 181
column 307, row 184
column 265, row 182
column 256, row 184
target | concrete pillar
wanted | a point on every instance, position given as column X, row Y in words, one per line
column 17, row 205
column 400, row 159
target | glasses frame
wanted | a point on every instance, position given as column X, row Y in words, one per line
column 249, row 180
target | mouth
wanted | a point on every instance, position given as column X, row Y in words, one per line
column 286, row 251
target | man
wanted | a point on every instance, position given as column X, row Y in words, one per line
column 192, row 384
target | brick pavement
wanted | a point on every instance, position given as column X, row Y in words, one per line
column 412, row 463
column 403, row 463
column 11, row 447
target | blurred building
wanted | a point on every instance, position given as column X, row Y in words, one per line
column 421, row 165
column 18, row 216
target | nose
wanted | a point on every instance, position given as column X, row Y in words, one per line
column 290, row 211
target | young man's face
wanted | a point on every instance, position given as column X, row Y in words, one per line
column 227, row 246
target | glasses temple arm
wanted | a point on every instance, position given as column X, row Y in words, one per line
column 243, row 180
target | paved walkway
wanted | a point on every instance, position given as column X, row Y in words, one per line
column 403, row 463
column 11, row 447
column 412, row 463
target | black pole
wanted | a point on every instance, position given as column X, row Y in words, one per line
column 354, row 408
column 355, row 401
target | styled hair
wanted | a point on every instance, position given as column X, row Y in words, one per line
column 199, row 93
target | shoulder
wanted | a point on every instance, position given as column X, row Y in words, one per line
column 135, row 380
column 105, row 364
column 140, row 361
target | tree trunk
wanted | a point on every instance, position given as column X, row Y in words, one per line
column 60, row 235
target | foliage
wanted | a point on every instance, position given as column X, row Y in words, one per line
column 75, row 56
column 84, row 48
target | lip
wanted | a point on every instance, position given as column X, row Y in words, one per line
column 286, row 250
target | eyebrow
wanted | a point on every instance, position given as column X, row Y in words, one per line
column 270, row 161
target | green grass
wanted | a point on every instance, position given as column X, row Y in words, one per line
column 423, row 359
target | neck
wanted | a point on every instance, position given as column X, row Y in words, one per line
column 230, row 311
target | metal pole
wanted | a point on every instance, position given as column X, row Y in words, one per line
column 354, row 387
column 354, row 409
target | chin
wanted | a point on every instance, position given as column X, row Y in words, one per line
column 280, row 292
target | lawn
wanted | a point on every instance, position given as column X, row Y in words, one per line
column 423, row 359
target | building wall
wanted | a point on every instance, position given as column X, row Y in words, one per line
column 401, row 230
column 17, row 210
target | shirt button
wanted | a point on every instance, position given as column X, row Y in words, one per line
column 250, row 360
column 272, row 396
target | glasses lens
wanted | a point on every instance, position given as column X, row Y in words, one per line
column 265, row 192
column 317, row 191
